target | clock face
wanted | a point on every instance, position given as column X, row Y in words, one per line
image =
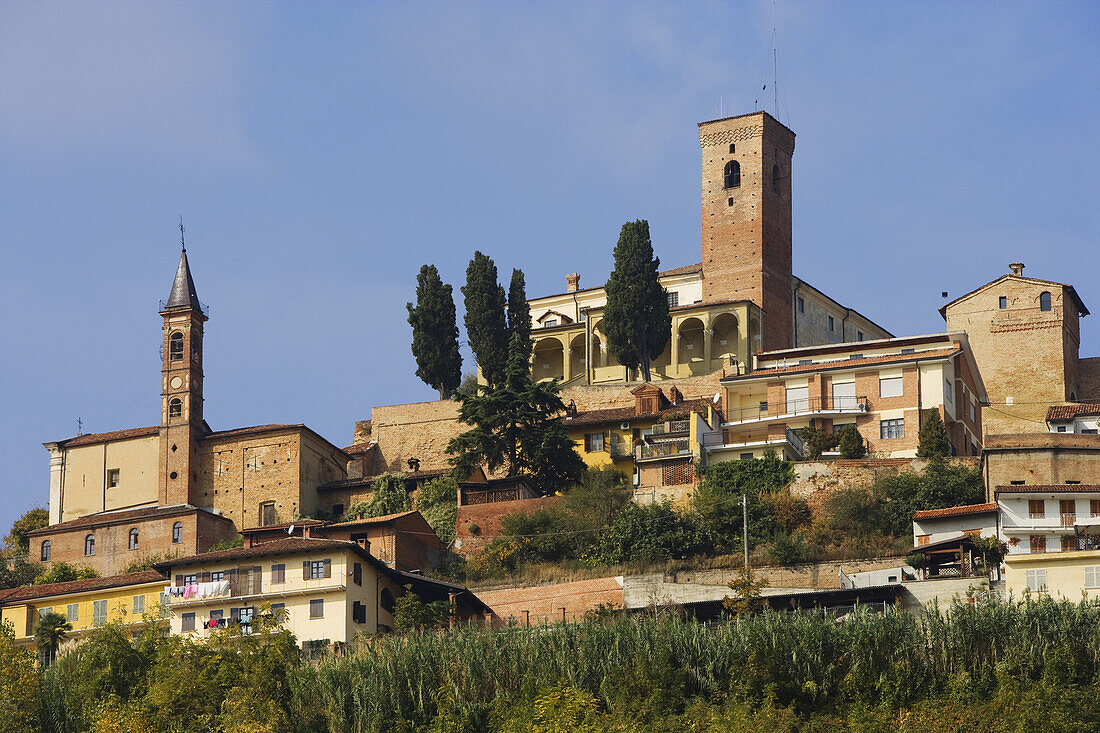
column 176, row 382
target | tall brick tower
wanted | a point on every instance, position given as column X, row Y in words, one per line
column 747, row 218
column 181, row 423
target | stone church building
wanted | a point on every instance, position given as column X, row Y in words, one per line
column 178, row 487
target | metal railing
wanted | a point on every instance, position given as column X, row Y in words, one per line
column 661, row 450
column 796, row 441
column 802, row 406
column 620, row 448
column 670, row 427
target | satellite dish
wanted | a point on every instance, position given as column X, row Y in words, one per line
column 290, row 530
column 717, row 398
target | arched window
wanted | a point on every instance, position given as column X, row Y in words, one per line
column 133, row 538
column 175, row 346
column 45, row 551
column 387, row 600
column 775, row 178
column 733, row 174
column 175, row 407
column 1044, row 301
column 177, row 533
column 89, row 545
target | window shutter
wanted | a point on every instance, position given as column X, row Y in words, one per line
column 305, row 570
column 234, row 584
column 204, row 577
column 235, row 614
column 179, row 581
column 257, row 573
column 328, row 568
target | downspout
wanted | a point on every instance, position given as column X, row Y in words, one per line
column 794, row 311
column 843, row 321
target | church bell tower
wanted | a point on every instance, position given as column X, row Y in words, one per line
column 181, row 421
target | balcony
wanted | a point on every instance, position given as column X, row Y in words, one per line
column 796, row 408
column 664, row 449
column 672, row 427
column 789, row 446
column 620, row 448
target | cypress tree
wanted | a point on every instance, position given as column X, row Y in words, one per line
column 485, row 325
column 516, row 425
column 435, row 333
column 636, row 318
column 932, row 439
column 851, row 443
column 519, row 312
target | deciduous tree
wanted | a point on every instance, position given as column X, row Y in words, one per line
column 486, row 329
column 435, row 333
column 636, row 317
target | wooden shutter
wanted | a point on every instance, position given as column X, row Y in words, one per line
column 235, row 614
column 234, row 582
column 328, row 568
column 357, row 574
column 204, row 577
column 179, row 581
column 305, row 569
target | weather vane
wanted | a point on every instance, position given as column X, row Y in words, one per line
column 182, row 245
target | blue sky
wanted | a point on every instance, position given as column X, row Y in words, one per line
column 321, row 152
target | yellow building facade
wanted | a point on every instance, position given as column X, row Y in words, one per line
column 131, row 600
column 1072, row 576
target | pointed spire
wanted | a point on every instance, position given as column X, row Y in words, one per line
column 183, row 288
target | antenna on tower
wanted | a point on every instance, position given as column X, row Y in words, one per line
column 79, row 426
column 182, row 245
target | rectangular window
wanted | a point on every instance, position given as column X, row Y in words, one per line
column 1092, row 576
column 673, row 299
column 357, row 573
column 1038, row 543
column 855, row 357
column 1002, row 302
column 217, row 576
column 217, row 615
column 317, row 608
column 278, row 573
column 890, row 387
column 139, row 605
column 832, row 324
column 908, row 351
column 1036, row 508
column 923, row 540
column 746, row 456
column 891, row 429
column 44, row 611
column 1067, row 508
column 1016, row 483
column 550, row 323
column 190, row 579
column 267, row 514
column 593, row 442
column 801, row 305
column 1036, row 580
column 99, row 613
column 187, row 621
column 948, row 393
column 72, row 613
column 112, row 478
column 973, row 411
column 859, row 335
column 844, row 397
column 764, row 406
column 1094, row 507
column 316, row 569
column 277, row 609
column 798, row 400
column 1061, row 428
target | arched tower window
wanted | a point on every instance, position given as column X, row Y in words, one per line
column 775, row 178
column 733, row 174
column 45, row 555
column 89, row 545
column 133, row 538
column 1044, row 301
column 175, row 346
column 177, row 533
column 175, row 407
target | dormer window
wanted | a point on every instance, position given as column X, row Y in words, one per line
column 732, row 174
column 550, row 323
column 1044, row 301
column 175, row 346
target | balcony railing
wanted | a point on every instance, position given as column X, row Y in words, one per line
column 670, row 427
column 803, row 406
column 1068, row 520
column 662, row 450
column 620, row 448
column 796, row 441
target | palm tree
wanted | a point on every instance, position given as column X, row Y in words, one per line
column 49, row 633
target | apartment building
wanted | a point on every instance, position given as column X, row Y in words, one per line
column 658, row 441
column 884, row 387
column 1037, row 519
column 1071, row 576
column 130, row 599
column 326, row 590
column 1082, row 418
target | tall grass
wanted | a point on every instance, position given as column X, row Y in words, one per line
column 643, row 666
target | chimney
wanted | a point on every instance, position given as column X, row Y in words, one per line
column 1016, row 268
column 248, row 540
column 307, row 531
column 572, row 282
column 363, row 542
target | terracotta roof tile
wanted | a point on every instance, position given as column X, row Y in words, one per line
column 82, row 586
column 956, row 511
column 93, row 438
column 275, row 547
column 127, row 515
column 252, row 429
column 846, row 364
column 685, row 270
column 1048, row 489
column 358, row 448
column 625, row 414
column 373, row 520
column 1068, row 412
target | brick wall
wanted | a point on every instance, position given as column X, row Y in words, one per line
column 544, row 603
column 1040, row 458
column 487, row 518
column 815, row 480
column 1088, row 379
column 415, row 430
